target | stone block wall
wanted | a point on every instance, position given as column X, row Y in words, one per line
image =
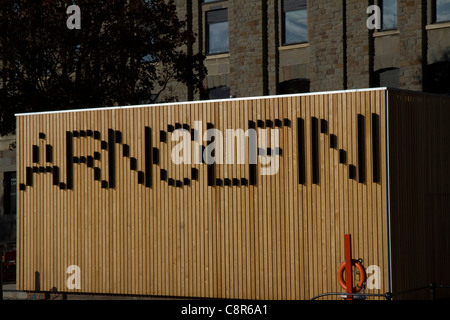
column 359, row 50
column 246, row 48
column 342, row 53
column 325, row 25
column 411, row 26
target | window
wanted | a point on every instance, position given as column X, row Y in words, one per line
column 437, row 78
column 219, row 93
column 388, row 78
column 389, row 14
column 217, row 31
column 441, row 10
column 294, row 86
column 9, row 200
column 295, row 28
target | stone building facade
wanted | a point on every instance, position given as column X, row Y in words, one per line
column 340, row 52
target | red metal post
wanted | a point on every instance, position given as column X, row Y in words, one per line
column 348, row 265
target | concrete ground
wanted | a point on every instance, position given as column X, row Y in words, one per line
column 11, row 293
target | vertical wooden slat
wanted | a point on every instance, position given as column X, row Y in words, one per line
column 295, row 236
column 281, row 258
column 291, row 155
column 334, row 165
column 20, row 218
column 371, row 191
column 381, row 192
column 242, row 213
column 315, row 194
column 256, row 215
column 165, row 202
column 30, row 268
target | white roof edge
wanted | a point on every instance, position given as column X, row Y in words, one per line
column 202, row 101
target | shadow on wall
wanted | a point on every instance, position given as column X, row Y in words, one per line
column 294, row 86
column 222, row 92
column 437, row 76
column 7, row 228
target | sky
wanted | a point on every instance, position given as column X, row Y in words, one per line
column 443, row 10
column 390, row 14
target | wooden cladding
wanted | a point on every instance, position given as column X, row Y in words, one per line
column 114, row 203
column 419, row 170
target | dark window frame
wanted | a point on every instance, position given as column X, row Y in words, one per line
column 291, row 6
column 212, row 1
column 294, row 86
column 437, row 78
column 381, row 5
column 214, row 17
column 220, row 92
column 9, row 192
column 386, row 74
column 434, row 20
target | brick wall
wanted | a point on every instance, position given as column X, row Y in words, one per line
column 358, row 45
column 255, row 64
column 273, row 42
column 410, row 25
column 246, row 50
column 325, row 23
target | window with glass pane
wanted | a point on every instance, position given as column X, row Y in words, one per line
column 442, row 10
column 217, row 31
column 295, row 21
column 222, row 92
column 9, row 185
column 389, row 9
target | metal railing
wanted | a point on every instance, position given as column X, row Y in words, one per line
column 361, row 296
column 433, row 287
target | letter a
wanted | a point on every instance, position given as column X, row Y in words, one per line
column 181, row 153
column 374, row 21
column 374, row 281
column 74, row 281
column 74, row 20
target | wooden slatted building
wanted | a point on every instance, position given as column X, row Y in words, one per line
column 99, row 189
